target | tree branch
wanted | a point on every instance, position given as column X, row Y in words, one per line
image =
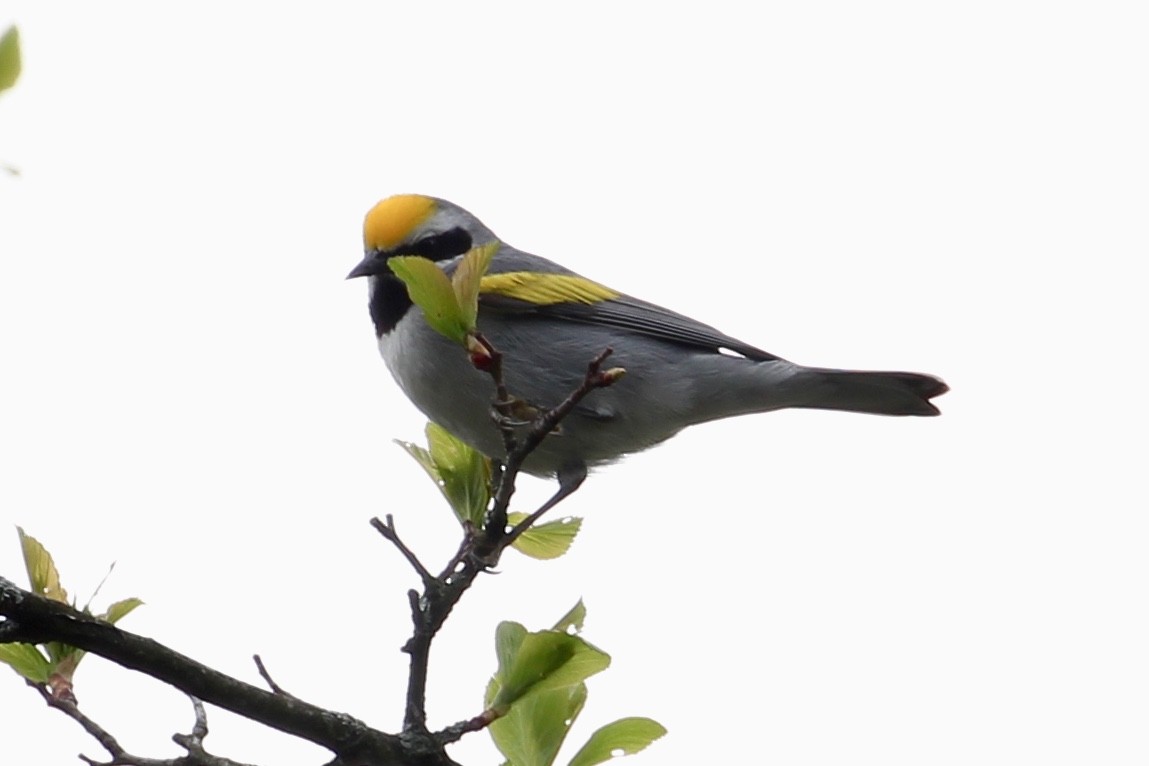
column 387, row 529
column 496, row 538
column 30, row 618
column 34, row 619
column 271, row 684
column 192, row 743
column 480, row 550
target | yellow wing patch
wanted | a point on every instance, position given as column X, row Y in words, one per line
column 546, row 289
column 392, row 220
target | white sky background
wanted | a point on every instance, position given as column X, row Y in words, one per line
column 192, row 390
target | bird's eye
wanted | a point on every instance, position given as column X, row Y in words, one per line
column 440, row 247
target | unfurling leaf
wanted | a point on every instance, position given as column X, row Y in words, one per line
column 431, row 290
column 546, row 541
column 544, row 661
column 534, row 729
column 423, row 458
column 42, row 574
column 56, row 664
column 120, row 610
column 538, row 692
column 26, row 660
column 465, row 473
column 572, row 621
column 625, row 736
column 462, row 473
column 467, row 278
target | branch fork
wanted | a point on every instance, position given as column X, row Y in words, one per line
column 523, row 428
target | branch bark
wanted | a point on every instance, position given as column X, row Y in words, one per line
column 481, row 549
column 30, row 618
column 34, row 619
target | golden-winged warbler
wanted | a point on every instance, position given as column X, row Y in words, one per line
column 549, row 322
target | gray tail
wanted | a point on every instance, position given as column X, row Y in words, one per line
column 881, row 393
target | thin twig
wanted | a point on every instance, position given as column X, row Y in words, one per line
column 266, row 677
column 480, row 550
column 98, row 733
column 192, row 743
column 550, row 419
column 199, row 728
column 524, row 525
column 503, row 398
column 387, row 529
column 455, row 732
column 496, row 537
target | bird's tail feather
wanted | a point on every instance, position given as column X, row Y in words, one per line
column 881, row 393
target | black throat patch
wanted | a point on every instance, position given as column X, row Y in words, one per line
column 390, row 301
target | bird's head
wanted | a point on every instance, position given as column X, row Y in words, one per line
column 412, row 224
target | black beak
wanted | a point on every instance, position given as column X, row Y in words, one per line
column 372, row 264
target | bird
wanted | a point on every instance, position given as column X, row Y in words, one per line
column 548, row 321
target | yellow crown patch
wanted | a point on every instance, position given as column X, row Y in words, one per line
column 392, row 220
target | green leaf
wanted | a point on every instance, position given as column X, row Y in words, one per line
column 544, row 661
column 120, row 609
column 625, row 736
column 423, row 458
column 9, row 58
column 572, row 621
column 509, row 637
column 465, row 474
column 42, row 573
column 59, row 667
column 462, row 473
column 534, row 729
column 546, row 541
column 58, row 652
column 26, row 660
column 467, row 278
column 431, row 290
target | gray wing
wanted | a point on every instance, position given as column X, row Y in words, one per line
column 636, row 316
column 624, row 312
